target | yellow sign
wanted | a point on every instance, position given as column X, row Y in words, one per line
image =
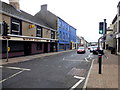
column 8, row 49
column 31, row 26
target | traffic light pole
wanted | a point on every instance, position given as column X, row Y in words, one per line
column 100, row 56
column 7, row 49
column 104, row 33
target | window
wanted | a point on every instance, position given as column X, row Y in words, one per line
column 0, row 28
column 16, row 27
column 60, row 35
column 119, row 27
column 119, row 45
column 63, row 35
column 66, row 36
column 39, row 32
column 52, row 35
column 119, row 10
column 39, row 46
column 60, row 23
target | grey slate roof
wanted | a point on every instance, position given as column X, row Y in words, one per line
column 19, row 13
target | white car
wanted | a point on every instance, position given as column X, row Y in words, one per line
column 91, row 48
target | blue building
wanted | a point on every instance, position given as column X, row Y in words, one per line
column 63, row 35
column 72, row 39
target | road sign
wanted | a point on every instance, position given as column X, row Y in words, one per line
column 8, row 49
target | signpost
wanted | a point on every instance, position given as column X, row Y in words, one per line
column 5, row 36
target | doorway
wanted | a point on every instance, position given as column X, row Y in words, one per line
column 45, row 47
column 27, row 48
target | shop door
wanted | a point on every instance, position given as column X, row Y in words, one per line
column 45, row 47
column 27, row 48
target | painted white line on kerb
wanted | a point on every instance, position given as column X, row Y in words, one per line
column 81, row 79
column 17, row 68
column 11, row 76
column 84, row 87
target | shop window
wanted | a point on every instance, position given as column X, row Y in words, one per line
column 119, row 45
column 39, row 32
column 61, row 46
column 16, row 27
column 39, row 46
column 0, row 28
column 52, row 35
column 119, row 27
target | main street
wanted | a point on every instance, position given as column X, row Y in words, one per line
column 64, row 70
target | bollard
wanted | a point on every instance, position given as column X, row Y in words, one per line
column 100, row 63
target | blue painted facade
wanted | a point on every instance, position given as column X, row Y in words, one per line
column 72, row 34
column 63, row 35
column 66, row 33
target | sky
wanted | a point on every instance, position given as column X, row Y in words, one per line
column 84, row 15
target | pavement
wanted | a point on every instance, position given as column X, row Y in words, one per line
column 29, row 57
column 109, row 77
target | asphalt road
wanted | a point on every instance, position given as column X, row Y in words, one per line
column 65, row 70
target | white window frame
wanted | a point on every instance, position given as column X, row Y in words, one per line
column 13, row 22
column 39, row 35
column 52, row 35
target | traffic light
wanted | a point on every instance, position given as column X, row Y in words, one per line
column 5, row 28
column 101, row 27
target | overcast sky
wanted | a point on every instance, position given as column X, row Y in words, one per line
column 84, row 15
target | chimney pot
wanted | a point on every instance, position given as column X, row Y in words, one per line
column 44, row 7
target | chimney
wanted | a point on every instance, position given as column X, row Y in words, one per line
column 44, row 7
column 14, row 3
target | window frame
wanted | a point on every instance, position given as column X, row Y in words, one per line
column 119, row 26
column 18, row 23
column 52, row 35
column 1, row 30
column 39, row 29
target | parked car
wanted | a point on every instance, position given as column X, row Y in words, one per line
column 81, row 50
column 96, row 50
column 91, row 48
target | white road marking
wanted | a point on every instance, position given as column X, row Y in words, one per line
column 89, row 56
column 84, row 87
column 11, row 76
column 1, row 66
column 75, row 60
column 64, row 58
column 79, row 77
column 86, row 60
column 74, row 86
column 17, row 68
